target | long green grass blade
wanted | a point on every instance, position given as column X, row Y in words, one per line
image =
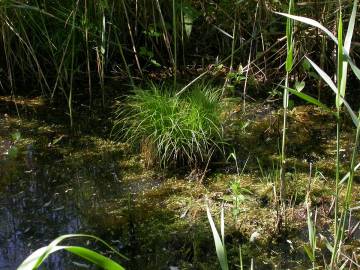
column 348, row 37
column 289, row 38
column 219, row 245
column 346, row 49
column 46, row 251
column 355, row 69
column 351, row 112
column 31, row 262
column 309, row 99
column 346, row 177
column 333, row 87
column 309, row 253
column 289, row 59
column 341, row 77
column 94, row 257
column 324, row 76
column 222, row 220
column 350, row 30
column 310, row 22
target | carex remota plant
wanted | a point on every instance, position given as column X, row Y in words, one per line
column 170, row 128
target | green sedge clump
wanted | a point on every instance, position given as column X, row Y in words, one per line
column 170, row 129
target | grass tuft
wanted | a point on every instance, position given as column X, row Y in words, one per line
column 170, row 129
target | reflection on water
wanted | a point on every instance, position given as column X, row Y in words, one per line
column 48, row 200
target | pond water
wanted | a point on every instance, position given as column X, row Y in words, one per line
column 56, row 183
column 41, row 201
column 52, row 185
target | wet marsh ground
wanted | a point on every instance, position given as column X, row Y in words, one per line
column 59, row 182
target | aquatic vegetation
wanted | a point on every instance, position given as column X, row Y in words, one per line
column 81, row 55
column 69, row 50
column 343, row 60
column 170, row 128
column 35, row 260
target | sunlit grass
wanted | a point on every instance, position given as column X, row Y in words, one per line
column 36, row 259
column 172, row 128
column 339, row 88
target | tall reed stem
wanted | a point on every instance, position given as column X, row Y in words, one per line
column 131, row 37
column 72, row 66
column 175, row 41
column 88, row 53
column 289, row 65
column 249, row 59
column 339, row 78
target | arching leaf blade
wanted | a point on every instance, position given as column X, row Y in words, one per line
column 310, row 22
column 308, row 99
column 30, row 262
column 324, row 76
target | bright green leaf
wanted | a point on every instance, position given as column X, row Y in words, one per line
column 299, row 86
column 219, row 245
column 310, row 22
column 308, row 251
column 308, row 99
column 39, row 256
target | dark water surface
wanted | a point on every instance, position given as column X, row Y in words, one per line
column 39, row 202
column 53, row 183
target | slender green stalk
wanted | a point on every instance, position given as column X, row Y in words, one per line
column 132, row 38
column 343, row 59
column 165, row 33
column 338, row 107
column 289, row 65
column 101, row 64
column 241, row 259
column 310, row 249
column 351, row 178
column 182, row 32
column 86, row 22
column 249, row 58
column 124, row 60
column 174, row 41
column 9, row 71
column 340, row 225
column 233, row 42
column 72, row 67
column 232, row 57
